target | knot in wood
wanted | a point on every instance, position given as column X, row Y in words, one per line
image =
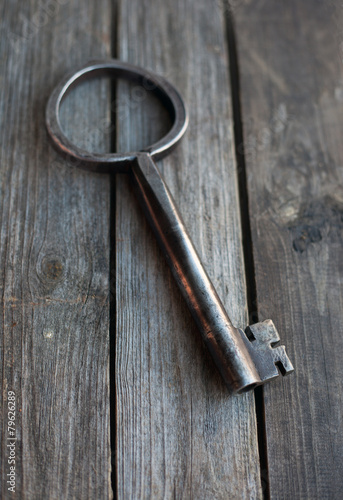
column 52, row 268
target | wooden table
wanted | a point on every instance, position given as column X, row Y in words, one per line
column 95, row 335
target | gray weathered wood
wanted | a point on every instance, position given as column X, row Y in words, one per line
column 179, row 433
column 54, row 258
column 290, row 57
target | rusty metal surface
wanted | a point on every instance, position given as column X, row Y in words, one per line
column 244, row 360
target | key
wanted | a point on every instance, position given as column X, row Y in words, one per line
column 246, row 358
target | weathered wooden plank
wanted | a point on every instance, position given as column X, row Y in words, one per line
column 290, row 56
column 54, row 257
column 179, row 433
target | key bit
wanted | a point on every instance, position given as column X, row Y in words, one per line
column 251, row 358
column 269, row 359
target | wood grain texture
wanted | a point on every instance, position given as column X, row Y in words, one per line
column 179, row 433
column 290, row 56
column 54, row 258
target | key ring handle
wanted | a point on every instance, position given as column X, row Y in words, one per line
column 116, row 162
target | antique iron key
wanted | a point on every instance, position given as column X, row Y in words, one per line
column 244, row 359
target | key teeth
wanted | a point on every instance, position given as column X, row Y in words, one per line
column 265, row 332
column 263, row 338
column 282, row 361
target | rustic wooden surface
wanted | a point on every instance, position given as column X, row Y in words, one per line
column 176, row 432
column 290, row 59
column 54, row 259
column 179, row 433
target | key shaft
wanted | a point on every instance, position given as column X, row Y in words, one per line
column 244, row 360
